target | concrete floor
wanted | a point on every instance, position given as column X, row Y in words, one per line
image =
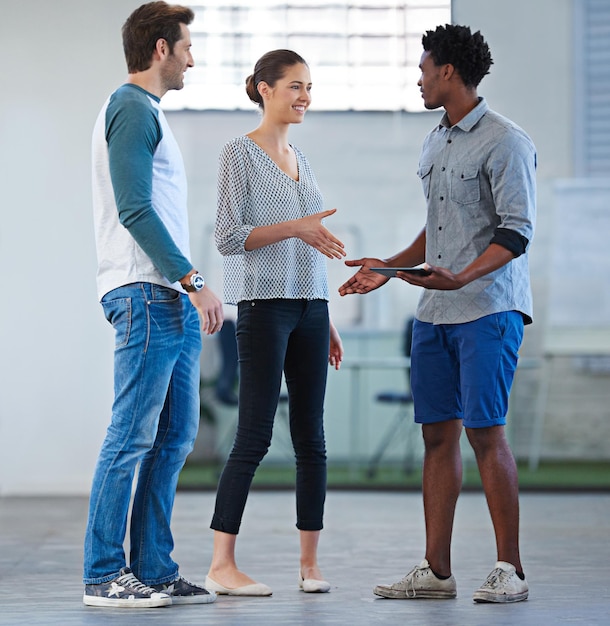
column 369, row 538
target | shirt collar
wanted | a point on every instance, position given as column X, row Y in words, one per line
column 468, row 122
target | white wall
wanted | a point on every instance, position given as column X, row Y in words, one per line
column 63, row 60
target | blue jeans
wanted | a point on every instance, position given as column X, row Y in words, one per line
column 274, row 336
column 155, row 417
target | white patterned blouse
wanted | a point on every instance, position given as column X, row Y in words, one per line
column 253, row 191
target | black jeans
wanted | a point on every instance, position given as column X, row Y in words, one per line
column 274, row 336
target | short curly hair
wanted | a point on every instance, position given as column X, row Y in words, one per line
column 467, row 52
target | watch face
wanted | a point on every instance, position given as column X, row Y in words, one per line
column 198, row 282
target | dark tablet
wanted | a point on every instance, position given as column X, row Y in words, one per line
column 391, row 271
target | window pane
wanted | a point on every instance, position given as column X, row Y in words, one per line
column 363, row 56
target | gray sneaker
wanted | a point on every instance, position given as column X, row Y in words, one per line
column 502, row 585
column 420, row 582
column 184, row 592
column 125, row 591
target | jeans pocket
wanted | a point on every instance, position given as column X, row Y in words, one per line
column 119, row 313
column 164, row 294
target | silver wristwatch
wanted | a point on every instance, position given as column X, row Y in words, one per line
column 196, row 283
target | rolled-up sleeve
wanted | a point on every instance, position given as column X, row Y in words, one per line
column 512, row 174
column 233, row 195
column 481, row 190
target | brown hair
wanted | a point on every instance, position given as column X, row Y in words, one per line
column 146, row 25
column 270, row 68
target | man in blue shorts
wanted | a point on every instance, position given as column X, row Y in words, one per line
column 157, row 304
column 478, row 173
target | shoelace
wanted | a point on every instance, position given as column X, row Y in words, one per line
column 497, row 577
column 184, row 581
column 129, row 580
column 186, row 584
column 411, row 575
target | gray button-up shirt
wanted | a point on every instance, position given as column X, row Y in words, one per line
column 478, row 175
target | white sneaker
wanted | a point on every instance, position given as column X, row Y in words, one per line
column 420, row 582
column 502, row 585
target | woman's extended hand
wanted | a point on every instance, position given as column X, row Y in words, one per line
column 311, row 230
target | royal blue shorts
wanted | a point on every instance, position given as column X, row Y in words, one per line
column 465, row 371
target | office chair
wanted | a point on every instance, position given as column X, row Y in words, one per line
column 404, row 418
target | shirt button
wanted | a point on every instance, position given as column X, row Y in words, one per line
column 439, row 256
column 440, row 228
column 442, row 198
column 448, row 140
column 442, row 169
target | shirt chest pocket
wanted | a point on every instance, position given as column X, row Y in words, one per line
column 424, row 172
column 465, row 187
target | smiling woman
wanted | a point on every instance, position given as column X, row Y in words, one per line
column 355, row 49
column 269, row 230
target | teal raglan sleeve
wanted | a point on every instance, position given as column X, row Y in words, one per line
column 133, row 133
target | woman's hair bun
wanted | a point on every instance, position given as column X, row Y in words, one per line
column 252, row 91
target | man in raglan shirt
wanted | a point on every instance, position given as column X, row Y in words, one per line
column 157, row 303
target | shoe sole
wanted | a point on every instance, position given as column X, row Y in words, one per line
column 490, row 598
column 141, row 603
column 198, row 599
column 253, row 591
column 246, row 593
column 394, row 594
column 310, row 585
